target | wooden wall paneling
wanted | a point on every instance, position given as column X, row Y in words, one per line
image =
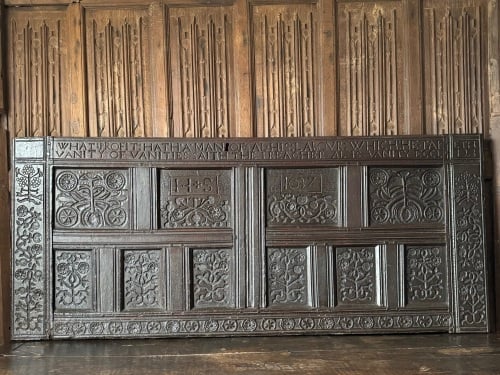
column 286, row 56
column 5, row 240
column 119, row 71
column 202, row 84
column 2, row 57
column 36, row 71
column 371, row 68
column 454, row 48
column 328, row 70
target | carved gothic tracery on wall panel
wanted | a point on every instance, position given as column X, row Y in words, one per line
column 371, row 67
column 201, row 48
column 195, row 198
column 91, row 198
column 36, row 73
column 285, row 57
column 406, row 196
column 454, row 67
column 118, row 68
column 302, row 196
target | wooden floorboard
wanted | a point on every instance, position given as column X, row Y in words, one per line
column 337, row 355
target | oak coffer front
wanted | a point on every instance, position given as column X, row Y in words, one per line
column 219, row 237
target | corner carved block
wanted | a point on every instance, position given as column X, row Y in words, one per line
column 454, row 49
column 143, row 280
column 198, row 199
column 286, row 73
column 212, row 278
column 302, row 196
column 406, row 196
column 426, row 275
column 91, row 198
column 371, row 68
column 74, row 280
column 288, row 277
column 357, row 275
column 201, row 49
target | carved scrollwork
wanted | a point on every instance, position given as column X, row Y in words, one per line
column 425, row 274
column 356, row 275
column 73, row 280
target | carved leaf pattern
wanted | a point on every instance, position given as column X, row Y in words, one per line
column 356, row 274
column 28, row 256
column 91, row 199
column 195, row 212
column 425, row 276
column 287, row 276
column 73, row 280
column 141, row 278
column 406, row 196
column 212, row 278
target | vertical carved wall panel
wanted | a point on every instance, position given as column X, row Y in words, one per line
column 201, row 48
column 454, row 66
column 36, row 65
column 371, row 68
column 285, row 57
column 118, row 68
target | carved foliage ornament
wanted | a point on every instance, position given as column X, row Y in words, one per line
column 74, row 282
column 356, row 270
column 142, row 279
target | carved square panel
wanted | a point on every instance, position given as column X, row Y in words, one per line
column 288, row 277
column 357, row 272
column 91, row 198
column 212, row 278
column 143, row 280
column 74, row 280
column 302, row 196
column 426, row 279
column 195, row 198
column 406, row 196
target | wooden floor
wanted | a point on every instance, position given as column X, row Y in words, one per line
column 342, row 355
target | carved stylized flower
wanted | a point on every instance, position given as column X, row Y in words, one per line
column 22, row 211
column 62, row 269
column 302, row 200
column 67, row 181
column 405, row 321
column 211, row 325
column 288, row 324
column 172, row 326
column 378, row 177
column 230, row 325
column 115, row 328
column 115, row 180
column 327, row 323
column 134, row 328
column 306, row 323
column 83, row 268
column 269, row 324
column 67, row 216
column 249, row 325
column 431, row 178
column 21, row 274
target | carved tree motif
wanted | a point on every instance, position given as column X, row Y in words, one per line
column 91, row 199
column 287, row 276
column 212, row 270
column 141, row 279
column 406, row 196
column 425, row 274
column 356, row 274
column 73, row 285
column 28, row 256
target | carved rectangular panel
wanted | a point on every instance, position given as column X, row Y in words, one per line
column 406, row 196
column 91, row 198
column 358, row 279
column 426, row 276
column 36, row 44
column 74, row 280
column 212, row 278
column 288, row 277
column 454, row 52
column 286, row 57
column 202, row 85
column 119, row 68
column 371, row 67
column 195, row 198
column 302, row 196
column 143, row 280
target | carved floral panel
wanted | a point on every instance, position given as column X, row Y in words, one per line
column 195, row 198
column 287, row 276
column 91, row 198
column 406, row 196
column 142, row 279
column 212, row 278
column 302, row 196
column 74, row 280
column 357, row 275
column 426, row 274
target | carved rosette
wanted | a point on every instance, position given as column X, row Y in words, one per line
column 87, row 198
column 406, row 196
column 28, row 260
column 470, row 248
column 141, row 277
column 212, row 278
column 73, row 280
column 287, row 276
